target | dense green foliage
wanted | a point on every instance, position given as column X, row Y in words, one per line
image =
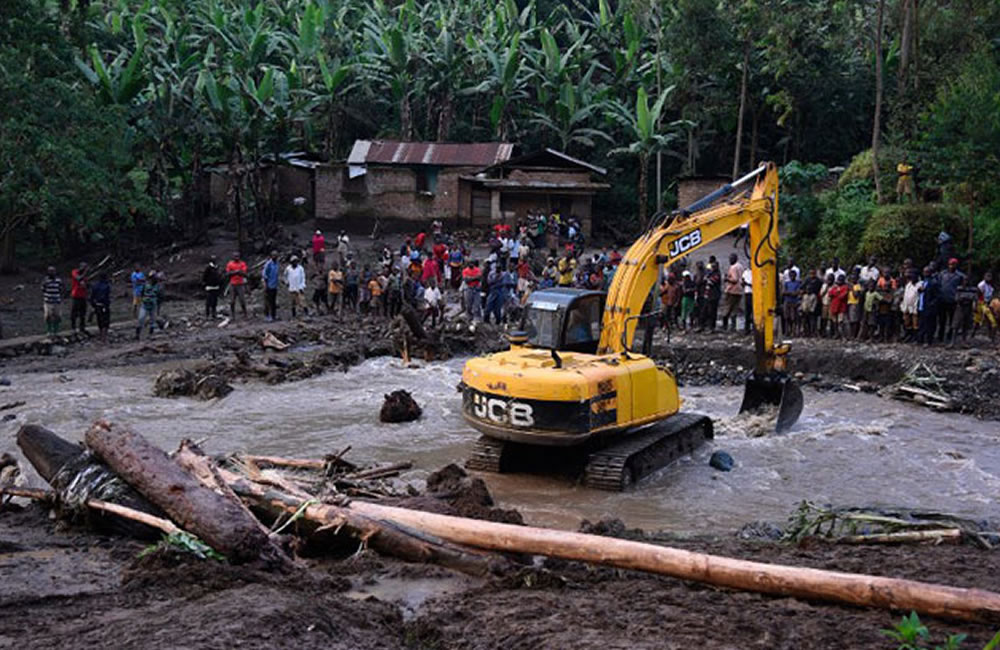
column 113, row 107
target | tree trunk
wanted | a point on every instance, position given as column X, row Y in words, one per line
column 8, row 259
column 405, row 118
column 754, row 134
column 905, row 45
column 876, row 126
column 217, row 521
column 643, row 185
column 743, row 102
column 445, row 115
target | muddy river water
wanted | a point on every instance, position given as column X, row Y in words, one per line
column 848, row 448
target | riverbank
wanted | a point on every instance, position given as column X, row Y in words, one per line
column 67, row 586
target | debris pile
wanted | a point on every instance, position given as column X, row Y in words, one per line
column 922, row 385
column 185, row 382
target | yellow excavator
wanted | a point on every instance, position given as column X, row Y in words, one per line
column 572, row 395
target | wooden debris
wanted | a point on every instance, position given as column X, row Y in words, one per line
column 272, row 342
column 906, row 537
column 378, row 472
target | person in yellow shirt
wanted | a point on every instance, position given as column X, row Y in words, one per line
column 567, row 268
column 335, row 287
column 855, row 303
column 375, row 288
column 905, row 185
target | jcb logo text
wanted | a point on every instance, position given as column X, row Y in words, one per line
column 683, row 244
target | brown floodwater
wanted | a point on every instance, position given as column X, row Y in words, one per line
column 848, row 448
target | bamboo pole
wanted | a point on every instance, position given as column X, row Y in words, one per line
column 153, row 521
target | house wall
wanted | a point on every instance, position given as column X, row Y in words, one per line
column 387, row 193
column 690, row 190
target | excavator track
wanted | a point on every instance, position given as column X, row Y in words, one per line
column 486, row 455
column 623, row 463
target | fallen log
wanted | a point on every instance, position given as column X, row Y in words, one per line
column 905, row 537
column 780, row 580
column 313, row 464
column 378, row 472
column 77, row 475
column 217, row 521
column 386, row 537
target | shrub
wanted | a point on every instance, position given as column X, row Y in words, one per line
column 860, row 169
column 845, row 213
column 896, row 232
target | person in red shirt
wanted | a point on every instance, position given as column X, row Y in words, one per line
column 615, row 258
column 78, row 292
column 524, row 276
column 472, row 301
column 236, row 271
column 418, row 241
column 430, row 270
column 838, row 305
column 319, row 249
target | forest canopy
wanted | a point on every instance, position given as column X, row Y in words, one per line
column 113, row 107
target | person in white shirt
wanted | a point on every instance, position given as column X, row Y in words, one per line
column 834, row 269
column 911, row 307
column 747, row 300
column 869, row 272
column 786, row 275
column 432, row 298
column 295, row 278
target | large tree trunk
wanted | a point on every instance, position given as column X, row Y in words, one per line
column 905, row 44
column 217, row 521
column 876, row 126
column 754, row 135
column 446, row 113
column 743, row 103
column 643, row 185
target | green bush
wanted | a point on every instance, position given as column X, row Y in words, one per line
column 897, row 232
column 986, row 237
column 845, row 213
column 860, row 169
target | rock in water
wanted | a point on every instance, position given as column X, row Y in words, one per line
column 721, row 461
column 399, row 406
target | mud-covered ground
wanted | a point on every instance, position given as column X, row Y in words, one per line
column 64, row 587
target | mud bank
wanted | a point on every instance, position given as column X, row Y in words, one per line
column 971, row 374
column 67, row 587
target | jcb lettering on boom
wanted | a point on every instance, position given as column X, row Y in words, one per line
column 685, row 243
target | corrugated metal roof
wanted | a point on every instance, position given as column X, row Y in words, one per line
column 444, row 154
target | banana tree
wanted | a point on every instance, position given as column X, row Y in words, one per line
column 639, row 123
column 568, row 118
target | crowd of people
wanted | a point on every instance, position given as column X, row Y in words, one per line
column 871, row 301
column 935, row 303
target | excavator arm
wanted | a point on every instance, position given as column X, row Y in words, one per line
column 751, row 201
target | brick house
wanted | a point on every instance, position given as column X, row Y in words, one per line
column 547, row 181
column 400, row 181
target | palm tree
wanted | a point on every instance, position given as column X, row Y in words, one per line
column 640, row 125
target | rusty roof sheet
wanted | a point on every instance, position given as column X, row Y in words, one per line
column 444, row 154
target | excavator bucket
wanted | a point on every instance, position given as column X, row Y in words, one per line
column 778, row 390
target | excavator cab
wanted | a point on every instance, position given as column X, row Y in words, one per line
column 563, row 320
